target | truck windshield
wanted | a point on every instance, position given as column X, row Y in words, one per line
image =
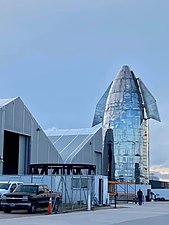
column 4, row 186
column 27, row 188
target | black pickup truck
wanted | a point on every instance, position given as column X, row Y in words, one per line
column 26, row 196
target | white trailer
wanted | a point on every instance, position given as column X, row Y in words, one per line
column 160, row 194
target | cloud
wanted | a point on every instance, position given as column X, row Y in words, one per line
column 161, row 171
column 51, row 131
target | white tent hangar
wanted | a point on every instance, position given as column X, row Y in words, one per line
column 25, row 148
column 82, row 147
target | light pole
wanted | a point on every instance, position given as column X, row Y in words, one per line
column 127, row 165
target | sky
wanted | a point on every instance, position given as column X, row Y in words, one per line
column 59, row 56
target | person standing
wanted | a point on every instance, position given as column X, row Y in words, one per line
column 140, row 196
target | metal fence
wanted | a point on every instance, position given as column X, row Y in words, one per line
column 76, row 191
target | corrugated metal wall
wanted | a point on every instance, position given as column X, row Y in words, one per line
column 16, row 118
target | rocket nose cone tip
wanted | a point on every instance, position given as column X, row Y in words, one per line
column 124, row 72
column 125, row 68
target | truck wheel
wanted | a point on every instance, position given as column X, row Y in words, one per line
column 7, row 210
column 32, row 208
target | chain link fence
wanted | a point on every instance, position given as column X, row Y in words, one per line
column 68, row 192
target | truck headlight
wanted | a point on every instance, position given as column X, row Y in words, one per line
column 3, row 197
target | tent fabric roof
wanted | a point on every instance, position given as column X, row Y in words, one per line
column 69, row 142
column 84, row 131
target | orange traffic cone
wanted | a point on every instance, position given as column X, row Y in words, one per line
column 50, row 206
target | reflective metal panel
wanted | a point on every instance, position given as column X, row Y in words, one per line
column 149, row 102
column 124, row 114
column 100, row 108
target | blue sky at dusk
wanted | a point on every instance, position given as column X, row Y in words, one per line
column 59, row 56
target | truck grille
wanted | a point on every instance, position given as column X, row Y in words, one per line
column 14, row 199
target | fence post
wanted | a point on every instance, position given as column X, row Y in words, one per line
column 108, row 199
column 89, row 202
column 115, row 200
